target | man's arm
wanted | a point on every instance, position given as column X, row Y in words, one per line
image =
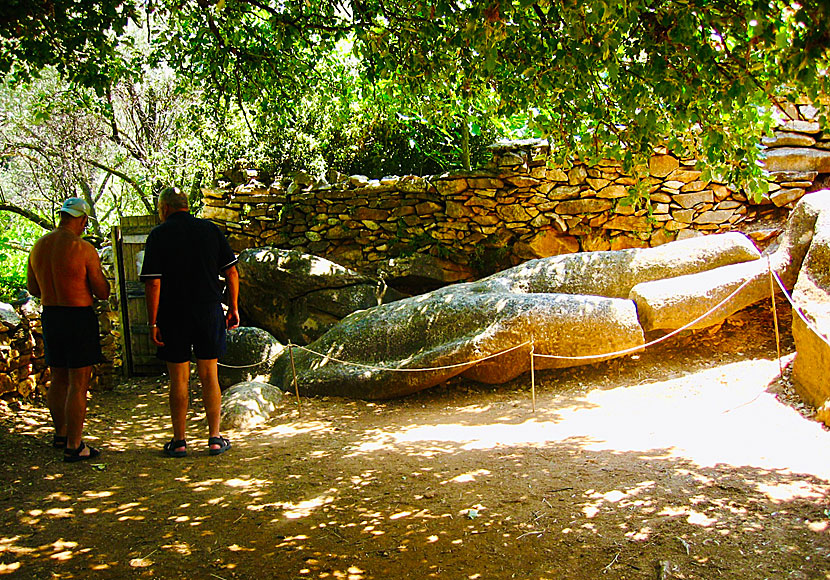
column 152, row 291
column 98, row 283
column 232, row 278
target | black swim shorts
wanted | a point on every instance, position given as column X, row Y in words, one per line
column 70, row 336
column 200, row 327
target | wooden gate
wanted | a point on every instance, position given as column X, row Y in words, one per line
column 128, row 241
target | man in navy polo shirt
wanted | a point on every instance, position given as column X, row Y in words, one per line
column 183, row 259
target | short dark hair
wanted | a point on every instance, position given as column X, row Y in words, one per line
column 173, row 198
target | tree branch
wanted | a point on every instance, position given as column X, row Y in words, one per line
column 29, row 215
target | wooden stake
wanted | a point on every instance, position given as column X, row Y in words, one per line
column 294, row 372
column 532, row 377
column 775, row 318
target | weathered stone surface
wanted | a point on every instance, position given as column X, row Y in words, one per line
column 714, row 217
column 613, row 192
column 786, row 176
column 8, row 316
column 690, row 200
column 298, row 297
column 567, row 304
column 249, row 403
column 693, row 186
column 456, row 210
column 521, row 181
column 513, row 213
column 427, row 208
column 797, row 159
column 220, row 213
column 628, row 223
column 670, row 304
column 798, row 126
column 485, row 183
column 549, row 243
column 448, row 331
column 662, row 165
column 450, row 186
column 250, row 355
column 577, row 174
column 563, row 192
column 812, row 294
column 785, row 196
column 412, row 184
column 788, row 139
column 365, row 213
column 684, row 175
column 423, row 270
column 587, row 205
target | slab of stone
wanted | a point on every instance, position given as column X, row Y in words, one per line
column 784, row 196
column 249, row 356
column 662, row 165
column 797, row 159
column 789, row 139
column 569, row 305
column 248, row 404
column 690, row 200
column 669, row 304
column 812, row 295
column 297, row 297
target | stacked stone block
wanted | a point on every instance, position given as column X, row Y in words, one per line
column 518, row 205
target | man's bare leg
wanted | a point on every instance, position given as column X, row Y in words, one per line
column 56, row 398
column 179, row 399
column 211, row 395
column 76, row 407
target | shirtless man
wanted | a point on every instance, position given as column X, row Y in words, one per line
column 64, row 271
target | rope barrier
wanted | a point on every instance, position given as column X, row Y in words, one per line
column 262, row 362
column 393, row 369
column 533, row 354
column 656, row 341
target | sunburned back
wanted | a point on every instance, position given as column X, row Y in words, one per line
column 60, row 261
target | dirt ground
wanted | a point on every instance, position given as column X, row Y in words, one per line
column 690, row 460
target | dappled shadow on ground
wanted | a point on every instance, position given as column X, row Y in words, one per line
column 683, row 463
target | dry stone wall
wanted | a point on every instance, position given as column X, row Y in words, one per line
column 517, row 208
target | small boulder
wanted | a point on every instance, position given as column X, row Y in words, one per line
column 249, row 403
column 249, row 357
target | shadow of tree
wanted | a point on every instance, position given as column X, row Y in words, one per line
column 700, row 472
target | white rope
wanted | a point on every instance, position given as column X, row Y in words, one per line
column 377, row 368
column 551, row 356
column 797, row 310
column 656, row 341
column 262, row 362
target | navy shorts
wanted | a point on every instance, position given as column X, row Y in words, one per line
column 199, row 328
column 70, row 336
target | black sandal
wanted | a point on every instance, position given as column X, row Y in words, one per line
column 74, row 455
column 223, row 444
column 170, row 448
column 59, row 441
